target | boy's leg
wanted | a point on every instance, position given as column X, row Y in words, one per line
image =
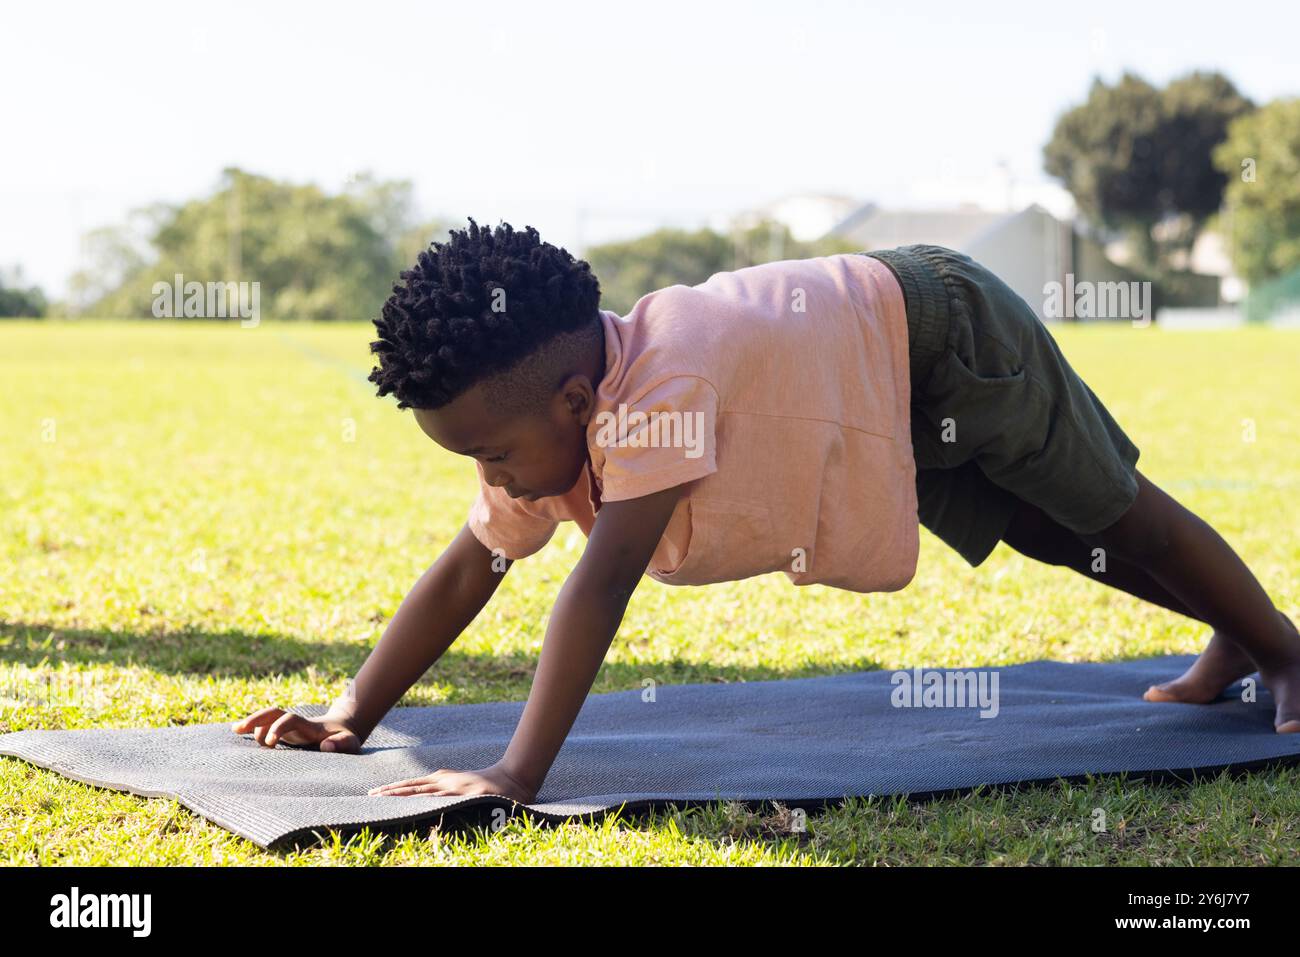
column 1224, row 662
column 999, row 395
column 1034, row 534
column 1191, row 560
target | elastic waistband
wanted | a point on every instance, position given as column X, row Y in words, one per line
column 927, row 302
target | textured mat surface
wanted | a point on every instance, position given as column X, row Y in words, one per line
column 802, row 741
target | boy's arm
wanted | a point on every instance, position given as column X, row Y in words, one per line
column 439, row 606
column 583, row 623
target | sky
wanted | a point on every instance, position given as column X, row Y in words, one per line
column 589, row 121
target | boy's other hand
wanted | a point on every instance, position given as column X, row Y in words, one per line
column 271, row 725
column 446, row 781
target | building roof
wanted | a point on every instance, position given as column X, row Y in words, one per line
column 874, row 228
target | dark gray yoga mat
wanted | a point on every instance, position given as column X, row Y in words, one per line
column 801, row 741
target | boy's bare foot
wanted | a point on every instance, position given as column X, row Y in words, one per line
column 1223, row 663
column 1219, row 665
column 1284, row 684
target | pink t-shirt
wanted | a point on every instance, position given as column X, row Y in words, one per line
column 781, row 393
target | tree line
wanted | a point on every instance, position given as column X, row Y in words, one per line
column 1156, row 165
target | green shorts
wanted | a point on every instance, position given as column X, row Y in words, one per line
column 998, row 415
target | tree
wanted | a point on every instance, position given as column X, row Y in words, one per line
column 18, row 300
column 1261, row 161
column 314, row 255
column 1139, row 160
column 110, row 256
column 629, row 269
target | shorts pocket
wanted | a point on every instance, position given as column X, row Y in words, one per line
column 962, row 371
column 968, row 415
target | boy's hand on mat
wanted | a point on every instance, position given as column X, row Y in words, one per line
column 271, row 725
column 445, row 781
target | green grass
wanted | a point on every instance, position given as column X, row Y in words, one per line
column 199, row 540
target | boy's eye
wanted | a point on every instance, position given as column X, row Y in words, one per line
column 497, row 458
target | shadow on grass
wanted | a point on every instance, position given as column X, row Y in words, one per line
column 226, row 653
column 457, row 678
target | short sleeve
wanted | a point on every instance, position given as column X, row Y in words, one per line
column 501, row 522
column 663, row 438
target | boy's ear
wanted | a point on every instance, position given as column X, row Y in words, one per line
column 579, row 398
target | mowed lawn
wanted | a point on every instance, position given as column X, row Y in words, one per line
column 201, row 520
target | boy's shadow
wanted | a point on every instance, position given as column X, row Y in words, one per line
column 457, row 678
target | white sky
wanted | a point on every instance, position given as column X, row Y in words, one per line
column 648, row 113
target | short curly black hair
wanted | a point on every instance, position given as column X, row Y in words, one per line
column 475, row 306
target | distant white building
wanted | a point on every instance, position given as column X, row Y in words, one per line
column 872, row 227
column 1028, row 248
column 1210, row 257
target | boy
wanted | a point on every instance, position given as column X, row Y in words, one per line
column 796, row 416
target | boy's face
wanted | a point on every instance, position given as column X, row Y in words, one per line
column 531, row 456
